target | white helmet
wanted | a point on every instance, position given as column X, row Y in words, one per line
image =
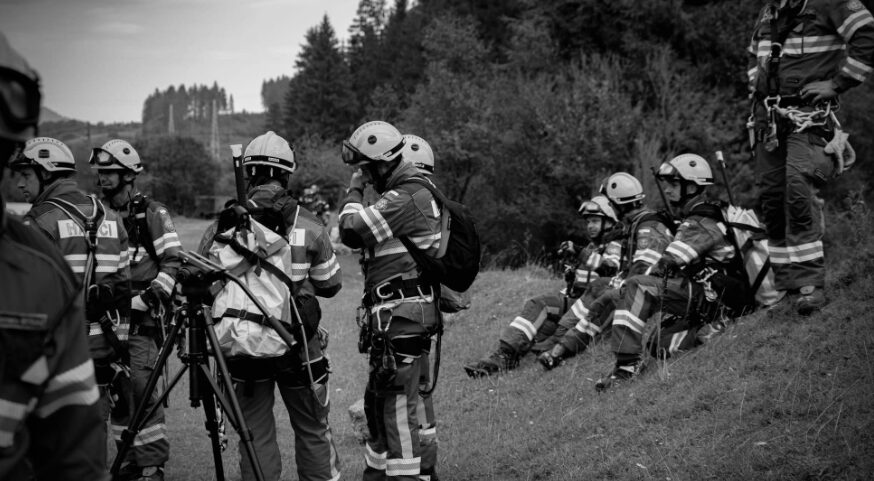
column 417, row 151
column 622, row 188
column 598, row 206
column 689, row 167
column 50, row 154
column 116, row 155
column 270, row 150
column 373, row 142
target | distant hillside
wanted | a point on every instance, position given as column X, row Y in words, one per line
column 48, row 115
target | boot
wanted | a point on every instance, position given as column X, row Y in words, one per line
column 552, row 358
column 810, row 300
column 624, row 371
column 497, row 362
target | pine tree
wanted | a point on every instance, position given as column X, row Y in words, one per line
column 320, row 100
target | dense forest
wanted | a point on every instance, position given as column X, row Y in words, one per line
column 530, row 104
column 527, row 104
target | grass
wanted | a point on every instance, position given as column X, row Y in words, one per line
column 774, row 397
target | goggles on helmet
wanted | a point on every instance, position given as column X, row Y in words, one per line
column 103, row 159
column 352, row 156
column 590, row 208
column 668, row 172
column 20, row 99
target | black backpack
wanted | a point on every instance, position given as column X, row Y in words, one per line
column 457, row 261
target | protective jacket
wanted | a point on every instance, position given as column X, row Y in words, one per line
column 827, row 40
column 111, row 267
column 47, row 389
column 402, row 314
column 160, row 232
column 649, row 235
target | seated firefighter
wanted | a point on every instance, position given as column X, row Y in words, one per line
column 647, row 234
column 539, row 316
column 711, row 285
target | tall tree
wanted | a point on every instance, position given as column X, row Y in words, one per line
column 320, row 100
column 367, row 62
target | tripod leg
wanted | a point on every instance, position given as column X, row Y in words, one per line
column 229, row 403
column 140, row 415
column 212, row 427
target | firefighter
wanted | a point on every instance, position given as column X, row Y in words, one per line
column 400, row 310
column 152, row 248
column 418, row 151
column 269, row 162
column 648, row 234
column 538, row 320
column 69, row 219
column 51, row 427
column 802, row 56
column 713, row 283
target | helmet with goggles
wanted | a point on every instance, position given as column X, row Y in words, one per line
column 417, row 151
column 270, row 150
column 19, row 95
column 116, row 154
column 51, row 155
column 687, row 167
column 622, row 188
column 375, row 141
column 598, row 206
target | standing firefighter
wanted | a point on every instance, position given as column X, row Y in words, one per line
column 533, row 328
column 803, row 54
column 400, row 312
column 712, row 284
column 648, row 234
column 419, row 152
column 301, row 374
column 94, row 243
column 49, row 417
column 153, row 247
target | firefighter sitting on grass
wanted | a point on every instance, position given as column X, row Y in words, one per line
column 712, row 283
column 539, row 317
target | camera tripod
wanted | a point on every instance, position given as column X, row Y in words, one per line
column 195, row 277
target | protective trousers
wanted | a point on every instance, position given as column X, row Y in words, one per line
column 394, row 448
column 255, row 382
column 535, row 324
column 641, row 297
column 427, row 421
column 789, row 179
column 314, row 451
column 587, row 318
column 150, row 446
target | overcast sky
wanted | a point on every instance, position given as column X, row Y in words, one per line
column 99, row 59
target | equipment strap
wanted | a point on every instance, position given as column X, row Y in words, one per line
column 120, row 349
column 139, row 206
column 255, row 317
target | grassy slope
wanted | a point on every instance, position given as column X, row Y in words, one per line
column 775, row 397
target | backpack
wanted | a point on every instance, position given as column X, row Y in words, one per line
column 260, row 258
column 752, row 243
column 749, row 239
column 457, row 261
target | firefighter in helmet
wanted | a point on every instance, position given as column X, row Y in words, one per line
column 152, row 246
column 400, row 312
column 51, row 425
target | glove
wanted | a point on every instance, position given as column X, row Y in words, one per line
column 566, row 247
column 569, row 274
column 155, row 296
column 98, row 300
column 666, row 266
column 839, row 147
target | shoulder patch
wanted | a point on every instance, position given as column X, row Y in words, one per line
column 381, row 204
column 167, row 222
column 855, row 5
